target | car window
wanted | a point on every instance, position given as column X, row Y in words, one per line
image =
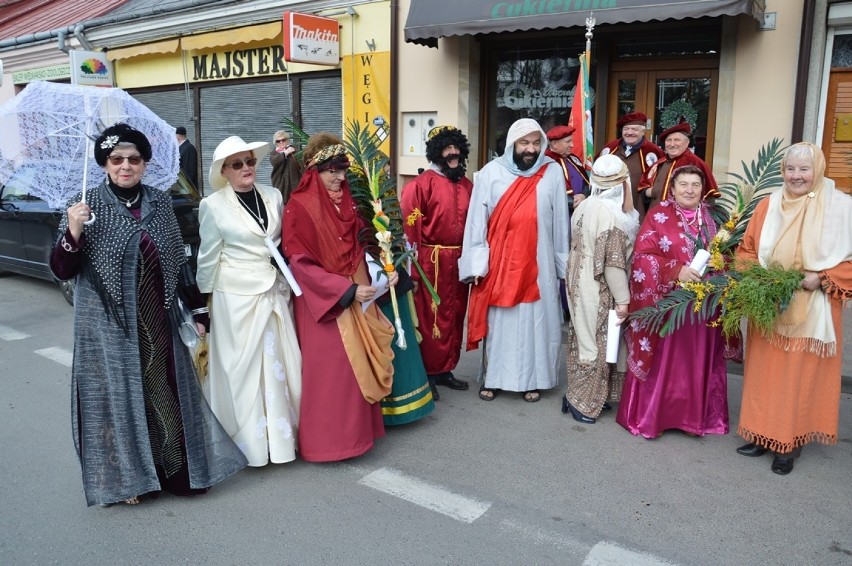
column 183, row 189
column 15, row 192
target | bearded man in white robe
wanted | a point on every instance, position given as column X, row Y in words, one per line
column 515, row 251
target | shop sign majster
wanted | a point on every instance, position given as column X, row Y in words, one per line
column 311, row 39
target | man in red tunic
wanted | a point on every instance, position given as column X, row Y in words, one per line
column 637, row 152
column 560, row 146
column 434, row 206
column 655, row 182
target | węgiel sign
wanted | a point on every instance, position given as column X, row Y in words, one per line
column 311, row 39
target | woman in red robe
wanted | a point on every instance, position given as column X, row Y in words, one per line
column 347, row 360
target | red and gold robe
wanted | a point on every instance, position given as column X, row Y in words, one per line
column 434, row 210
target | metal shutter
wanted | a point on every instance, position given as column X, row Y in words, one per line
column 173, row 106
column 252, row 111
column 322, row 105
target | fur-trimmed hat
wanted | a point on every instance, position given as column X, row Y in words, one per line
column 117, row 134
column 683, row 128
column 632, row 118
column 440, row 137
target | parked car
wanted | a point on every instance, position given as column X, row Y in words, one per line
column 29, row 226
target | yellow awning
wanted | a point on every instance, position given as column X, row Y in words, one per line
column 234, row 36
column 167, row 46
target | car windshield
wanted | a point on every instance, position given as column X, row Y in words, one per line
column 183, row 189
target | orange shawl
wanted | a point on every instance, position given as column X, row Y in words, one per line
column 512, row 267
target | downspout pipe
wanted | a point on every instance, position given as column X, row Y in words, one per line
column 78, row 33
column 394, row 86
column 60, row 37
column 805, row 48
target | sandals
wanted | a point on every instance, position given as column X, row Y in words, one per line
column 531, row 396
column 487, row 394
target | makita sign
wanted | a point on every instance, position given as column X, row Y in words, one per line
column 311, row 39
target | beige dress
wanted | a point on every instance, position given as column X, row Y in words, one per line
column 255, row 365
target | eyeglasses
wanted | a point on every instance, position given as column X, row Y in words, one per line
column 119, row 159
column 281, row 141
column 237, row 165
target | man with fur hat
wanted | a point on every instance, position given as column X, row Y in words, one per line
column 560, row 144
column 602, row 234
column 656, row 180
column 637, row 152
column 434, row 206
column 515, row 251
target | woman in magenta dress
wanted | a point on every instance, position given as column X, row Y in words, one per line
column 680, row 381
column 347, row 360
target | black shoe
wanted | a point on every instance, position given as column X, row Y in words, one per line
column 606, row 407
column 752, row 450
column 783, row 465
column 578, row 416
column 435, row 395
column 447, row 379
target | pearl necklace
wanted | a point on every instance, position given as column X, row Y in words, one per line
column 129, row 201
column 257, row 216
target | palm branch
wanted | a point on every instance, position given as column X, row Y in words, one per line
column 369, row 181
column 297, row 134
column 670, row 313
column 741, row 195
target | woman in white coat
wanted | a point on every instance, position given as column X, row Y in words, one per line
column 255, row 365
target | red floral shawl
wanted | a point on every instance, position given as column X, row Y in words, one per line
column 665, row 244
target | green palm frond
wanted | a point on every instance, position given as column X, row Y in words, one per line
column 298, row 135
column 369, row 180
column 670, row 313
column 741, row 195
column 754, row 292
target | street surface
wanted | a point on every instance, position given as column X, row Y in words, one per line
column 503, row 483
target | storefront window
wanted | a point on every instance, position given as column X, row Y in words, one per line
column 529, row 83
column 684, row 100
column 697, row 43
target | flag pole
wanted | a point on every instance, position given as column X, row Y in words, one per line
column 590, row 27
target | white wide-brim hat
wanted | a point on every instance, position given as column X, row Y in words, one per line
column 228, row 147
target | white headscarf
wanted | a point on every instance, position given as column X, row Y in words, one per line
column 609, row 180
column 518, row 130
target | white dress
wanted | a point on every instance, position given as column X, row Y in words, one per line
column 523, row 342
column 255, row 365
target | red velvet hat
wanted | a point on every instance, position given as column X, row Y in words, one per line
column 683, row 128
column 559, row 132
column 632, row 118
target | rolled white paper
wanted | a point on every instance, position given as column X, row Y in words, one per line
column 699, row 262
column 613, row 336
column 282, row 265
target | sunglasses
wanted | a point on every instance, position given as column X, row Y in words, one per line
column 281, row 141
column 237, row 165
column 119, row 159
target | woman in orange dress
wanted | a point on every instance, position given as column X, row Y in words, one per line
column 791, row 387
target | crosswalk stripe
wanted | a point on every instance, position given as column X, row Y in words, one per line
column 610, row 554
column 10, row 334
column 419, row 492
column 58, row 355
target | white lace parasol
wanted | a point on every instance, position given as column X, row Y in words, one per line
column 48, row 132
